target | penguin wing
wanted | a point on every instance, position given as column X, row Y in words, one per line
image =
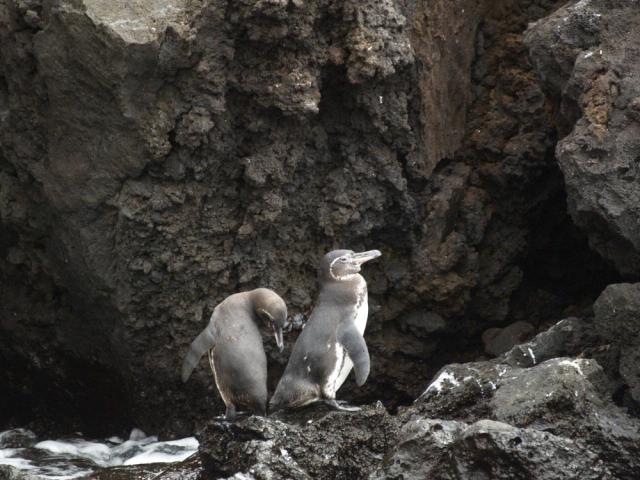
column 355, row 346
column 203, row 343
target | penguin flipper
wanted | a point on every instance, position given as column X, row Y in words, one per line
column 355, row 346
column 203, row 343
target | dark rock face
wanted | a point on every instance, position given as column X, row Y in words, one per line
column 169, row 154
column 586, row 54
column 617, row 319
column 158, row 157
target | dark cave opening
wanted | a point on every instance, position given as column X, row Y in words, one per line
column 61, row 398
column 562, row 276
column 44, row 385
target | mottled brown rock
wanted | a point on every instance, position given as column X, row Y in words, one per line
column 586, row 55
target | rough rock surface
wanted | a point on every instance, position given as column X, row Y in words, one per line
column 160, row 155
column 568, row 399
column 499, row 340
column 617, row 319
column 305, row 445
column 189, row 469
column 586, row 54
column 451, row 450
column 505, row 418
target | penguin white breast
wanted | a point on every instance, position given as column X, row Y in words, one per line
column 362, row 311
column 343, row 363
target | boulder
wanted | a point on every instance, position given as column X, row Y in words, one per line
column 570, row 336
column 568, row 398
column 617, row 314
column 17, row 438
column 499, row 340
column 548, row 418
column 583, row 54
column 486, row 449
column 310, row 444
column 617, row 319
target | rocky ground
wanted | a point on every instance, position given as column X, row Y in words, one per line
column 545, row 409
column 156, row 156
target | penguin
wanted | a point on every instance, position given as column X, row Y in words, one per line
column 236, row 354
column 331, row 343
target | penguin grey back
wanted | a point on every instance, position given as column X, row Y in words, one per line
column 234, row 341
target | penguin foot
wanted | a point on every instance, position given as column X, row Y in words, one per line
column 341, row 406
column 222, row 422
column 231, row 414
column 226, row 426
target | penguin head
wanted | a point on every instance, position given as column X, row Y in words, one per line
column 342, row 265
column 272, row 314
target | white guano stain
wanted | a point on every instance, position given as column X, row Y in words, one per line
column 574, row 364
column 439, row 383
column 533, row 357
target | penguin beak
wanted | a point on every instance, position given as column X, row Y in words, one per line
column 277, row 333
column 360, row 258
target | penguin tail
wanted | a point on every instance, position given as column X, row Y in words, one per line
column 203, row 343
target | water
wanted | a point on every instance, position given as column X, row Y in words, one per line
column 77, row 457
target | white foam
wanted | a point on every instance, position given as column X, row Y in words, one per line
column 10, row 456
column 96, row 452
column 55, row 459
column 165, row 452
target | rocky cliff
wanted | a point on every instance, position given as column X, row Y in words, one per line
column 156, row 156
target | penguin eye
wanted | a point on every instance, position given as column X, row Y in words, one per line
column 264, row 315
column 343, row 260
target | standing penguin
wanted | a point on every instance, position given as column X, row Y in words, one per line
column 236, row 353
column 331, row 343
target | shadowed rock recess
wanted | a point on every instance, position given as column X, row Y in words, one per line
column 159, row 155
